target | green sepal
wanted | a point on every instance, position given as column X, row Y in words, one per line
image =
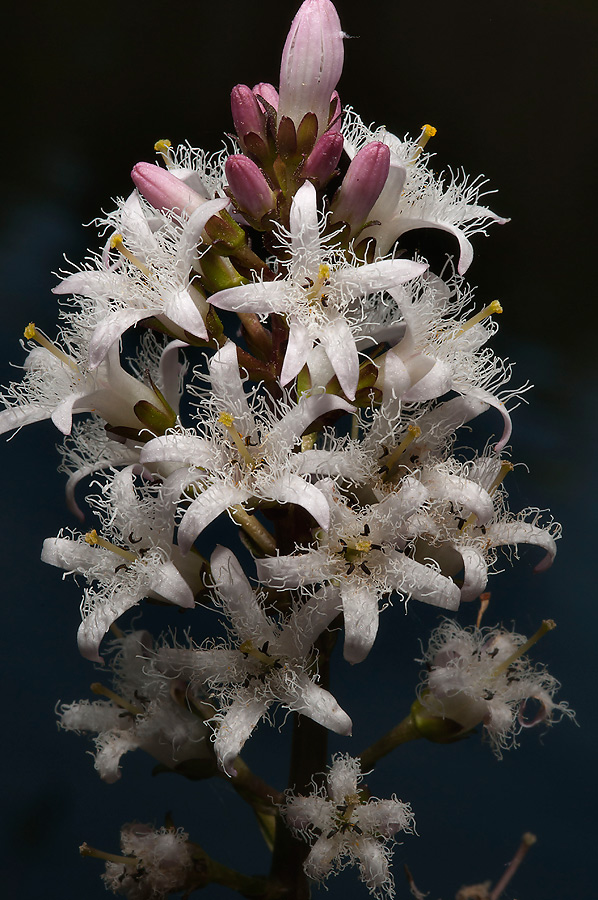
column 434, row 728
column 287, row 138
column 307, row 133
column 157, row 420
column 226, row 234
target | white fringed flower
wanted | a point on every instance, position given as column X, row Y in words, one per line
column 264, row 663
column 321, row 294
column 360, row 557
column 138, row 560
column 146, row 712
column 245, row 451
column 350, row 829
column 481, row 676
column 415, row 197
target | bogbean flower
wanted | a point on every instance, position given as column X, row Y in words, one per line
column 244, row 451
column 320, row 294
column 138, row 560
column 264, row 663
column 360, row 557
column 160, row 863
column 415, row 197
column 152, row 276
column 143, row 712
column 349, row 828
column 481, row 677
column 59, row 382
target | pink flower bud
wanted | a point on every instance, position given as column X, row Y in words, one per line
column 165, row 191
column 247, row 113
column 268, row 92
column 362, row 185
column 324, row 158
column 312, row 62
column 249, row 187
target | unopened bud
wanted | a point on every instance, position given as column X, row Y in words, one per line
column 312, row 62
column 249, row 187
column 164, row 190
column 268, row 93
column 324, row 158
column 247, row 112
column 362, row 185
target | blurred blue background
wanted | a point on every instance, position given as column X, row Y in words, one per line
column 89, row 89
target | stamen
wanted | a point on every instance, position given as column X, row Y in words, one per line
column 546, row 626
column 116, row 243
column 493, row 308
column 505, row 468
column 31, row 333
column 414, row 432
column 428, row 131
column 163, row 148
column 86, row 850
column 98, row 688
column 227, row 420
column 93, row 539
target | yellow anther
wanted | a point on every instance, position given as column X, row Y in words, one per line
column 163, row 148
column 493, row 308
column 546, row 626
column 323, row 272
column 363, row 545
column 428, row 131
column 226, row 419
column 116, row 243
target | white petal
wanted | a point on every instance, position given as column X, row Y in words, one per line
column 378, row 276
column 343, row 778
column 487, row 398
column 436, row 382
column 293, row 571
column 298, row 349
column 462, row 492
column 476, row 573
column 403, row 503
column 309, row 619
column 170, row 371
column 261, row 297
column 305, row 236
column 113, row 747
column 374, row 862
column 238, row 723
column 192, row 232
column 179, row 448
column 63, row 414
column 95, row 625
column 422, row 582
column 205, row 508
column 338, row 342
column 293, row 489
column 297, row 420
column 170, row 584
column 227, row 387
column 236, row 593
column 360, row 608
column 111, row 330
column 180, row 309
column 312, row 701
column 524, row 533
column 17, row 416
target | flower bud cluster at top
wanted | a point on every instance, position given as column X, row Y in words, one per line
column 323, row 424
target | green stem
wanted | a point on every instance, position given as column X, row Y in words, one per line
column 400, row 734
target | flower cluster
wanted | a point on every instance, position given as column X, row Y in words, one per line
column 326, row 378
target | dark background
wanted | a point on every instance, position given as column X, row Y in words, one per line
column 88, row 90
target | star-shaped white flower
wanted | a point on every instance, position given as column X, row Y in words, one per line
column 320, row 294
column 265, row 662
column 246, row 451
column 350, row 829
column 360, row 557
column 139, row 560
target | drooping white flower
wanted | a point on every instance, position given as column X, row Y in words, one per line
column 320, row 294
column 481, row 677
column 361, row 558
column 349, row 828
column 415, row 197
column 145, row 712
column 138, row 560
column 264, row 663
column 244, row 451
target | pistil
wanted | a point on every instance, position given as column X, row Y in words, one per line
column 93, row 539
column 98, row 688
column 428, row 131
column 163, row 148
column 227, row 419
column 413, row 432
